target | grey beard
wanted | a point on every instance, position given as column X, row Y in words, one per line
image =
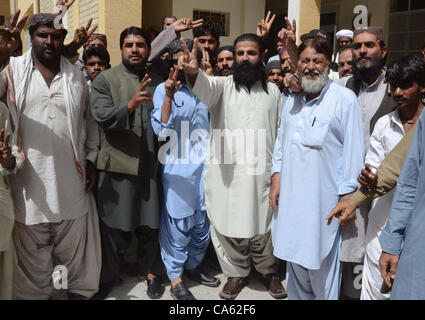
column 315, row 86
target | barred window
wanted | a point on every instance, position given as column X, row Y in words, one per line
column 220, row 20
column 406, row 28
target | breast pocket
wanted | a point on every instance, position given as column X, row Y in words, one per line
column 314, row 132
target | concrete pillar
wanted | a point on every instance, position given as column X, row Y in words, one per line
column 76, row 14
column 36, row 5
column 307, row 14
column 114, row 17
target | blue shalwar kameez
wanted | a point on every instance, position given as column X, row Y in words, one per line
column 319, row 153
column 184, row 228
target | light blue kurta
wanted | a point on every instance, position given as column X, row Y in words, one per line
column 319, row 152
column 184, row 153
column 184, row 230
column 405, row 228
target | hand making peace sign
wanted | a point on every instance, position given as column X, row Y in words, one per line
column 172, row 85
column 140, row 96
column 264, row 26
column 10, row 33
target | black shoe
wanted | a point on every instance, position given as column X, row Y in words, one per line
column 203, row 278
column 180, row 292
column 156, row 288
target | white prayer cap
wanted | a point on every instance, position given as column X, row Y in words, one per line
column 344, row 33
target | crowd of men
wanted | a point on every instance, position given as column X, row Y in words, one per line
column 210, row 156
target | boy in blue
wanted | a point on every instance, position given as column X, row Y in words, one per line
column 184, row 229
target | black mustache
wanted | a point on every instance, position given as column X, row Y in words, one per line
column 399, row 99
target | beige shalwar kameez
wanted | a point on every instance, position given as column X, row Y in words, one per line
column 56, row 220
column 244, row 126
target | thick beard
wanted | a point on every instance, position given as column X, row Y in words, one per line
column 364, row 73
column 246, row 74
column 315, row 86
column 137, row 68
column 47, row 61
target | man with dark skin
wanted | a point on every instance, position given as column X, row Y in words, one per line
column 53, row 216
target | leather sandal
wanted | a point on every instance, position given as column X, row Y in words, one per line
column 181, row 292
column 202, row 278
column 156, row 288
column 232, row 288
column 274, row 285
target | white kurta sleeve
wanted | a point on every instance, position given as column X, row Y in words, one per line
column 376, row 152
column 209, row 89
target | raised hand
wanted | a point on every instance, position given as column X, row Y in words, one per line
column 189, row 63
column 66, row 3
column 7, row 160
column 205, row 63
column 288, row 36
column 10, row 34
column 186, row 24
column 140, row 96
column 293, row 79
column 83, row 34
column 172, row 85
column 264, row 26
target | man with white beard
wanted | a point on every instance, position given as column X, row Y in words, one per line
column 318, row 154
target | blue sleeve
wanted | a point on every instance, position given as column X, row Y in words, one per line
column 158, row 100
column 392, row 236
column 353, row 144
